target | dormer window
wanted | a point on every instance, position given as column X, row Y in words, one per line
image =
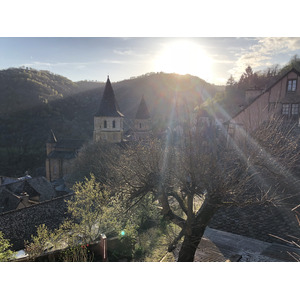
column 292, row 85
column 114, row 124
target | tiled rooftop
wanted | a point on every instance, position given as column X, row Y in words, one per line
column 259, row 221
column 221, row 246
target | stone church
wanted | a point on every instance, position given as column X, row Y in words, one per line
column 108, row 126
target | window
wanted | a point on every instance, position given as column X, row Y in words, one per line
column 105, row 124
column 285, row 109
column 295, row 109
column 114, row 124
column 140, row 125
column 292, row 85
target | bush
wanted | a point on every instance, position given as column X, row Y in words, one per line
column 5, row 253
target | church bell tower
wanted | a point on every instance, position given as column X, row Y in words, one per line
column 142, row 122
column 108, row 121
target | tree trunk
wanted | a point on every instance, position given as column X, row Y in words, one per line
column 190, row 244
column 193, row 238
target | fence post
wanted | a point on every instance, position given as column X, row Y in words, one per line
column 103, row 247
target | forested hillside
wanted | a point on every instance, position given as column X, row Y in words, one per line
column 26, row 88
column 32, row 102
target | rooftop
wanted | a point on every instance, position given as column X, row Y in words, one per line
column 221, row 246
column 109, row 106
column 142, row 112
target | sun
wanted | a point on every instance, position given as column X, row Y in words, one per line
column 184, row 57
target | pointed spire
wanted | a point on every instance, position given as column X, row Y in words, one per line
column 52, row 138
column 108, row 106
column 142, row 112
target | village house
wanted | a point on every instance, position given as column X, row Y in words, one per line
column 282, row 98
column 25, row 192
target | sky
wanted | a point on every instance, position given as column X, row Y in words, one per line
column 213, row 59
column 92, row 39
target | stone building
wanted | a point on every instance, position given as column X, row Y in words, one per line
column 108, row 121
column 60, row 155
column 108, row 126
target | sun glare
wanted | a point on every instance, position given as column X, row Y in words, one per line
column 184, row 57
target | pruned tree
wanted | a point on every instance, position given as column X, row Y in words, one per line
column 192, row 177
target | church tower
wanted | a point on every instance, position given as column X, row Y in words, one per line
column 108, row 121
column 142, row 123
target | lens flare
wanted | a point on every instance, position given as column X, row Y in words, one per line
column 184, row 57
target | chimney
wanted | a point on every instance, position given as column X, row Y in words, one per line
column 252, row 93
column 24, row 200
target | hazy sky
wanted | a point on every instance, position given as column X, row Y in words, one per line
column 46, row 35
column 212, row 59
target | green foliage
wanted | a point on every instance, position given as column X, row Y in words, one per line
column 94, row 211
column 44, row 240
column 79, row 253
column 152, row 244
column 5, row 253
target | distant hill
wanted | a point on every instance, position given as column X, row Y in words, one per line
column 22, row 89
column 159, row 91
column 32, row 102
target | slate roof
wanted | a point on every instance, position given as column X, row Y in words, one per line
column 28, row 188
column 265, row 222
column 142, row 112
column 69, row 144
column 8, row 200
column 42, row 186
column 37, row 186
column 109, row 106
column 62, row 154
column 221, row 246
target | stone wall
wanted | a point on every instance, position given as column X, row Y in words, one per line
column 19, row 225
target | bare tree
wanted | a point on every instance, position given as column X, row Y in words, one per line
column 203, row 169
column 94, row 158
